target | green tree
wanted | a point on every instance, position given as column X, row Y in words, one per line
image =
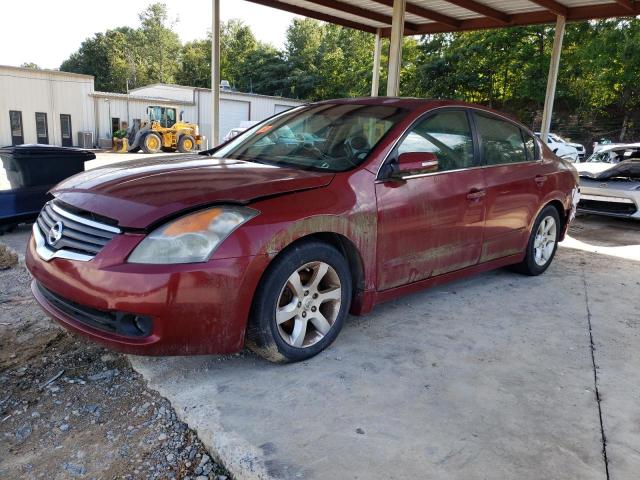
column 158, row 45
column 31, row 65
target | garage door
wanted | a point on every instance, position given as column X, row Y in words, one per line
column 282, row 108
column 232, row 112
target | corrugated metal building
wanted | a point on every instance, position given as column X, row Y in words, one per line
column 235, row 107
column 44, row 106
column 48, row 106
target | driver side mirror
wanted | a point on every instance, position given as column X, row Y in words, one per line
column 415, row 163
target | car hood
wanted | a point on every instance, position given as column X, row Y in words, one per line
column 142, row 192
column 577, row 146
column 604, row 170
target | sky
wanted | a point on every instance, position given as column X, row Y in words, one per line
column 46, row 32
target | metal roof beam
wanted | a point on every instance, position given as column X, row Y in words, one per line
column 553, row 7
column 287, row 7
column 540, row 17
column 426, row 13
column 360, row 12
column 482, row 9
column 628, row 4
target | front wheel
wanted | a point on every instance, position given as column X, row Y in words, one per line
column 151, row 143
column 301, row 303
column 186, row 144
column 543, row 242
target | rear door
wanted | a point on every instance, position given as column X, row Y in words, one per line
column 432, row 223
column 515, row 184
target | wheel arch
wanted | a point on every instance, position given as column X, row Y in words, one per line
column 344, row 245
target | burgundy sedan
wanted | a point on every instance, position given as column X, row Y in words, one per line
column 271, row 239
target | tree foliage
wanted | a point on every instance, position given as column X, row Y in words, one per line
column 503, row 68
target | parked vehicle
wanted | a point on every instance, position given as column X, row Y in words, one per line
column 234, row 132
column 573, row 152
column 163, row 130
column 610, row 181
column 578, row 146
column 271, row 241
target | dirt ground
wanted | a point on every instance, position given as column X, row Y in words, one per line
column 71, row 409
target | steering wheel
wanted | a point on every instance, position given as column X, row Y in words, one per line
column 357, row 147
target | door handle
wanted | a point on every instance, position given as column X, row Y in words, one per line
column 476, row 194
column 540, row 179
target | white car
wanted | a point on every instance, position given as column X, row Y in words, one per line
column 574, row 152
column 234, row 132
column 610, row 181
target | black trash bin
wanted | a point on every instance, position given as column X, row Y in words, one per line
column 31, row 171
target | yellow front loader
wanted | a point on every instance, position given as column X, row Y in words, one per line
column 163, row 133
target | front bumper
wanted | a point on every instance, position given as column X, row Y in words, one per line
column 193, row 309
column 611, row 198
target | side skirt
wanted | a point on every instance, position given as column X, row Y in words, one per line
column 386, row 295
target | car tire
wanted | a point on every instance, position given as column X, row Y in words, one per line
column 301, row 303
column 152, row 143
column 543, row 243
column 186, row 144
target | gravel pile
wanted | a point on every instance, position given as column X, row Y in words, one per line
column 71, row 409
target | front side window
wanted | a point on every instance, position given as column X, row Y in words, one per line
column 331, row 137
column 447, row 135
column 500, row 141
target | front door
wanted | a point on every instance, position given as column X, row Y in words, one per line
column 42, row 129
column 432, row 224
column 515, row 184
column 65, row 128
column 17, row 133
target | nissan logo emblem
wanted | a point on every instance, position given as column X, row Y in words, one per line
column 55, row 234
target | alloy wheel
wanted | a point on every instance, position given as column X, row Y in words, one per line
column 309, row 304
column 545, row 241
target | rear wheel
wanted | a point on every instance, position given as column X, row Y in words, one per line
column 543, row 242
column 186, row 144
column 151, row 143
column 301, row 303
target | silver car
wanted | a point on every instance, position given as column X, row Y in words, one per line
column 610, row 182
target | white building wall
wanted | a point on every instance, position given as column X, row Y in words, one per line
column 51, row 92
column 54, row 93
column 234, row 106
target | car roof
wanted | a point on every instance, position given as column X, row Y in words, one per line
column 414, row 104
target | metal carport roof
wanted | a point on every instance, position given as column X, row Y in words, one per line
column 437, row 16
column 398, row 18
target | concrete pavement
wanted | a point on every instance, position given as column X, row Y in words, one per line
column 490, row 377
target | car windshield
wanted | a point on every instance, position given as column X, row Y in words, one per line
column 328, row 137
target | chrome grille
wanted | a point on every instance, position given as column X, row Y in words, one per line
column 60, row 233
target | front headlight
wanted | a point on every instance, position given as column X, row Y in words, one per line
column 192, row 238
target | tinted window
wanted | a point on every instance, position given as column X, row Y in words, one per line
column 447, row 135
column 500, row 141
column 530, row 147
